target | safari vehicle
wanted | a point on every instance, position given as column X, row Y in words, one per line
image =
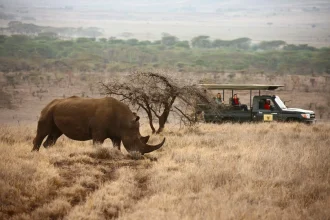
column 277, row 111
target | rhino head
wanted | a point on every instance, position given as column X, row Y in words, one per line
column 133, row 141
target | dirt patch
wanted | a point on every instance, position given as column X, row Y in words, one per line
column 79, row 176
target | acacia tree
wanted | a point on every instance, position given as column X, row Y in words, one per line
column 168, row 40
column 158, row 95
column 201, row 41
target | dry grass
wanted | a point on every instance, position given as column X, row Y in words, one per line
column 229, row 171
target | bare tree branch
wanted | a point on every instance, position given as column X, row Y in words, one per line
column 183, row 114
column 157, row 94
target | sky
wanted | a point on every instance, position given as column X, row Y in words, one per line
column 160, row 5
column 294, row 21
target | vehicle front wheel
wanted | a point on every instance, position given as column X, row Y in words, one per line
column 290, row 120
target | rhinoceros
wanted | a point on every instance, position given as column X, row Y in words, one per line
column 84, row 119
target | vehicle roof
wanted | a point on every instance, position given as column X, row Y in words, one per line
column 240, row 86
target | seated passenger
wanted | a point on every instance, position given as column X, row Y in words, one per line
column 218, row 99
column 267, row 104
column 236, row 102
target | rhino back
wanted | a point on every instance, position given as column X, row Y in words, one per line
column 78, row 118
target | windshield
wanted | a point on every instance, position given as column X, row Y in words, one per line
column 280, row 103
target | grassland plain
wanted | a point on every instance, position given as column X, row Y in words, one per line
column 228, row 171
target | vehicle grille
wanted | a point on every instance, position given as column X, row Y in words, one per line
column 312, row 115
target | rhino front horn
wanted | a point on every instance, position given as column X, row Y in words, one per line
column 146, row 148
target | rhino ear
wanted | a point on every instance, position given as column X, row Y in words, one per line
column 135, row 117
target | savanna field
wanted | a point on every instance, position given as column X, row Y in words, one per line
column 58, row 49
column 228, row 171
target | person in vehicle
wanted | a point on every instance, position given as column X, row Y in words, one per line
column 218, row 99
column 267, row 104
column 236, row 102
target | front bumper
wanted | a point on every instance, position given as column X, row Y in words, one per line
column 310, row 121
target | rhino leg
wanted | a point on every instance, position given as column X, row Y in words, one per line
column 98, row 141
column 52, row 137
column 42, row 132
column 116, row 142
column 98, row 137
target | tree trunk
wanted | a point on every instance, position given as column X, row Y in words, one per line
column 163, row 119
column 150, row 122
column 161, row 122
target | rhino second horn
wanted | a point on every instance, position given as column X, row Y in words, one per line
column 145, row 139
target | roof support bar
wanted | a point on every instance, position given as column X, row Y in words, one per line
column 250, row 98
column 240, row 86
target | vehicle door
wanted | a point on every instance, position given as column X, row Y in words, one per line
column 266, row 111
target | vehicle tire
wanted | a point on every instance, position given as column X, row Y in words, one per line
column 290, row 120
column 227, row 120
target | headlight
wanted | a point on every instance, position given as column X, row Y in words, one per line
column 306, row 115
